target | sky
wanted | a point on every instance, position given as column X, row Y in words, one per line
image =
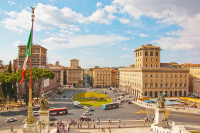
column 102, row 32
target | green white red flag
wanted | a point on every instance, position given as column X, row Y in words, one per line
column 28, row 53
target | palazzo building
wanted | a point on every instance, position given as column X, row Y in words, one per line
column 72, row 75
column 39, row 56
column 149, row 78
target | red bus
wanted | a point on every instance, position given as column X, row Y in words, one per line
column 58, row 111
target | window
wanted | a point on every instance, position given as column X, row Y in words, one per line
column 145, row 93
column 151, row 53
column 161, row 85
column 185, row 85
column 175, row 85
column 166, row 85
column 151, row 85
column 146, row 53
column 146, row 65
column 156, row 94
column 151, row 60
column 156, row 85
column 156, row 60
column 146, row 59
column 181, row 76
column 146, row 85
column 166, row 75
column 151, row 75
column 170, row 93
column 180, row 85
column 161, row 75
column 156, row 53
column 175, row 76
column 146, row 75
column 151, row 94
column 151, row 65
column 175, row 93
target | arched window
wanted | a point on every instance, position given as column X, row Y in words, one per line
column 151, row 53
column 146, row 53
column 156, row 53
column 135, row 54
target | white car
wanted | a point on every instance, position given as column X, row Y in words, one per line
column 87, row 113
column 10, row 119
column 90, row 109
column 36, row 113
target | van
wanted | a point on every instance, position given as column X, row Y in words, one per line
column 77, row 104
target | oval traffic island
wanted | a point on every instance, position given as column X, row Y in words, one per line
column 92, row 98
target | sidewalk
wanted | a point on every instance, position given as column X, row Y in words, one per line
column 152, row 107
column 120, row 130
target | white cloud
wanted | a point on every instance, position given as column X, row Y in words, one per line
column 143, row 35
column 184, row 13
column 129, row 49
column 11, row 3
column 48, row 17
column 127, row 56
column 99, row 4
column 101, row 16
column 124, row 20
column 194, row 60
column 78, row 41
column 17, row 43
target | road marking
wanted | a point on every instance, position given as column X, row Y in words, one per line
column 186, row 115
column 144, row 112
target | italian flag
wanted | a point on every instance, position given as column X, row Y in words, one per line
column 28, row 53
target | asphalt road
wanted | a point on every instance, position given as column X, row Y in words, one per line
column 124, row 112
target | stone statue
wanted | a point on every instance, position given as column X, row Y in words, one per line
column 161, row 101
column 44, row 104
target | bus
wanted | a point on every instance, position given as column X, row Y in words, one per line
column 58, row 111
column 110, row 106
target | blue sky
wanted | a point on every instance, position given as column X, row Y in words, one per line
column 102, row 32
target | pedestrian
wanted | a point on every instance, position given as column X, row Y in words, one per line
column 94, row 126
column 124, row 124
column 11, row 128
column 109, row 129
column 119, row 120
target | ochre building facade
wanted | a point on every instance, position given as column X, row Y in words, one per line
column 148, row 79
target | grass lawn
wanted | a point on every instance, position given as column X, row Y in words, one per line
column 194, row 131
column 92, row 98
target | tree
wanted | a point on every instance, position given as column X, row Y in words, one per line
column 38, row 75
column 5, row 78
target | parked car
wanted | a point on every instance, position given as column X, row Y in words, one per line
column 10, row 119
column 51, row 118
column 84, row 118
column 90, row 109
column 87, row 113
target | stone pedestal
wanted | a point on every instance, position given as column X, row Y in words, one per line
column 44, row 118
column 160, row 116
column 30, row 128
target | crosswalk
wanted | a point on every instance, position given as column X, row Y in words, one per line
column 145, row 112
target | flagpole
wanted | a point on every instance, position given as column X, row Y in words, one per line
column 30, row 119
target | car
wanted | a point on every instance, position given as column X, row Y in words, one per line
column 51, row 118
column 84, row 118
column 36, row 113
column 85, row 107
column 87, row 113
column 10, row 119
column 90, row 109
